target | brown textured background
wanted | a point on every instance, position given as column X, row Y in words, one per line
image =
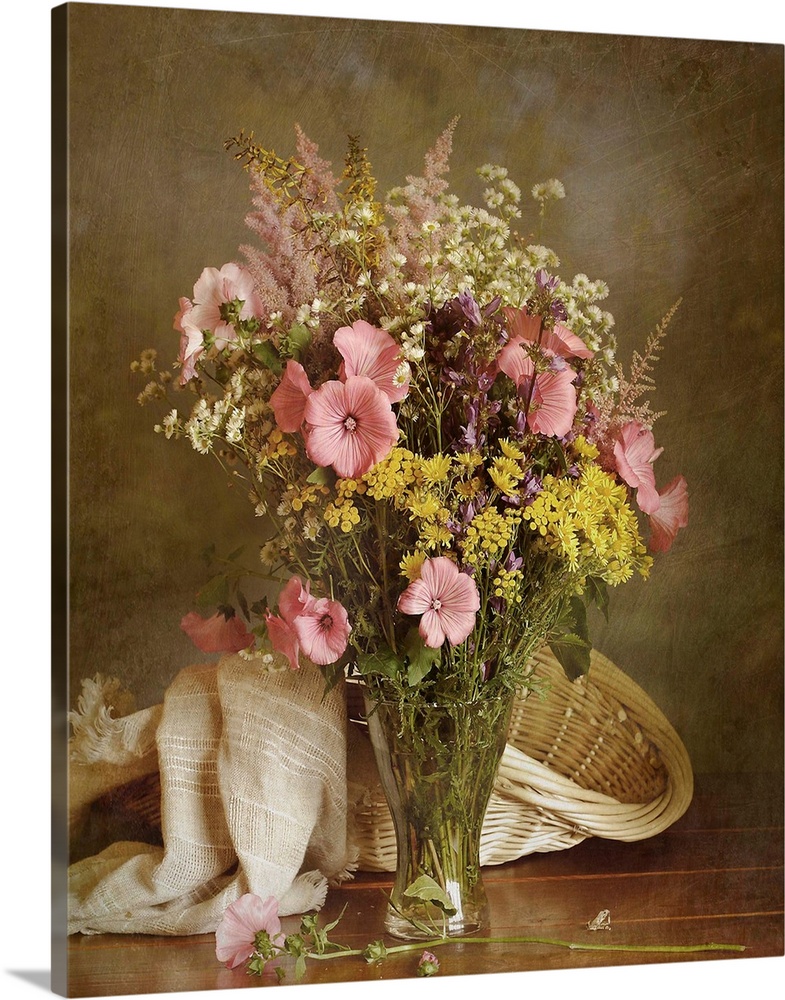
column 672, row 156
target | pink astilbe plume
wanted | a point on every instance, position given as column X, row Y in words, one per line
column 323, row 630
column 551, row 394
column 635, row 452
column 447, row 599
column 235, row 935
column 288, row 400
column 671, row 515
column 373, row 353
column 349, row 425
column 560, row 341
column 218, row 634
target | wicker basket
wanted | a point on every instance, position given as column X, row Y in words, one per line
column 594, row 758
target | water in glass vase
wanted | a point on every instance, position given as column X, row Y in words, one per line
column 437, row 764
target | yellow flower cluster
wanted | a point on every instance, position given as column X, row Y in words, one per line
column 342, row 512
column 506, row 584
column 588, row 523
column 277, row 446
column 489, row 535
column 309, row 494
column 394, row 474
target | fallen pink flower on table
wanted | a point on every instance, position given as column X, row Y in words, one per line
column 447, row 600
column 218, row 634
column 235, row 936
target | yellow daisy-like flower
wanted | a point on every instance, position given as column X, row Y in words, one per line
column 411, row 564
column 585, row 449
column 434, row 535
column 468, row 488
column 422, row 505
column 436, row 469
column 506, row 474
column 511, row 449
column 468, row 461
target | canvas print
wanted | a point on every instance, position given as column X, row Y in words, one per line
column 422, row 387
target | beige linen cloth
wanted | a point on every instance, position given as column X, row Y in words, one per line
column 253, row 780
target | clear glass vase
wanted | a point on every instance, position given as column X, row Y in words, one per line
column 437, row 765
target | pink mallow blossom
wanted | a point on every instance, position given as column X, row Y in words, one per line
column 235, row 935
column 447, row 599
column 218, row 634
column 373, row 353
column 635, row 452
column 288, row 400
column 215, row 289
column 318, row 627
column 553, row 401
column 349, row 425
column 191, row 341
column 559, row 341
column 671, row 515
column 323, row 630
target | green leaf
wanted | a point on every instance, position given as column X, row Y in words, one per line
column 265, row 352
column 573, row 653
column 299, row 967
column 236, row 553
column 430, row 891
column 421, row 657
column 298, row 339
column 319, row 477
column 597, row 591
column 381, row 661
column 215, row 591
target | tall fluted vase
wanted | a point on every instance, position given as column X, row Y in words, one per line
column 438, row 764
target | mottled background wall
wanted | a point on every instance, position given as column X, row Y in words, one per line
column 671, row 153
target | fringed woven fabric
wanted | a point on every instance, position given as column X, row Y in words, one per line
column 253, row 798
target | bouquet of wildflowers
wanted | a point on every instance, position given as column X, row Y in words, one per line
column 446, row 460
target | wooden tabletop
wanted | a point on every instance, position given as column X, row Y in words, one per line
column 714, row 876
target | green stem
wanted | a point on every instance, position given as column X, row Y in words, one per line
column 670, row 949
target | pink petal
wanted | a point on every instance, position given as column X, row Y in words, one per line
column 457, row 625
column 431, row 630
column 185, row 307
column 560, row 340
column 283, row 639
column 209, row 287
column 671, row 515
column 416, row 599
column 295, row 599
column 235, row 935
column 515, row 362
column 288, row 400
column 554, row 403
column 217, row 634
column 323, row 631
column 350, row 426
column 634, row 452
column 372, row 353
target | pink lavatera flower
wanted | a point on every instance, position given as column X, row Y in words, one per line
column 235, row 935
column 634, row 452
column 191, row 341
column 323, row 631
column 553, row 401
column 559, row 341
column 215, row 289
column 294, row 599
column 447, row 600
column 218, row 634
column 671, row 515
column 349, row 425
column 372, row 353
column 283, row 639
column 288, row 400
